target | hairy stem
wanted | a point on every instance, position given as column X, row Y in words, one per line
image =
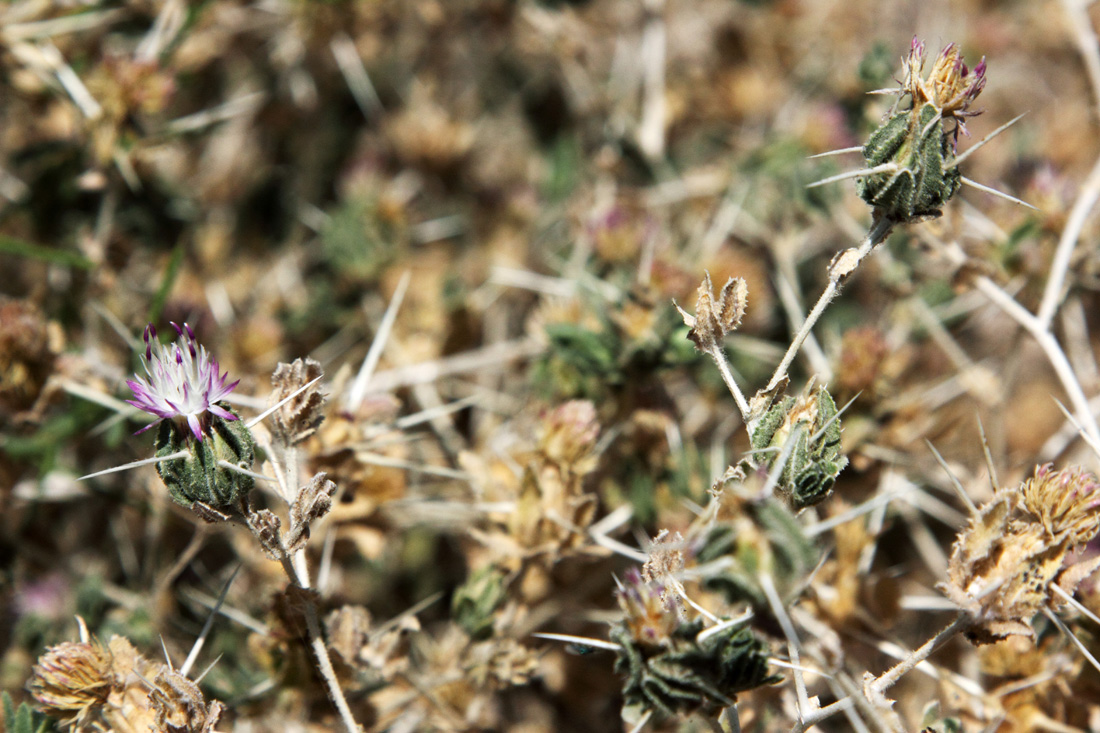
column 874, row 688
column 843, row 266
column 723, row 365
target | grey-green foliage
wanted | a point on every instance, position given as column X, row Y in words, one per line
column 198, row 477
column 932, row 722
column 23, row 719
column 785, row 554
column 815, row 459
column 920, row 183
column 357, row 241
column 686, row 676
column 476, row 601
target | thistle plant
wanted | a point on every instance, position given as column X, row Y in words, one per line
column 671, row 663
column 205, row 455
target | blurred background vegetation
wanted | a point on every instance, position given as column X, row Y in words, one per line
column 553, row 175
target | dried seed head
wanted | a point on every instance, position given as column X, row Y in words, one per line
column 313, row 502
column 1064, row 502
column 180, row 706
column 72, row 679
column 298, row 419
column 1005, row 563
column 716, row 317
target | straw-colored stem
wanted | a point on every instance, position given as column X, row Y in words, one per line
column 875, row 236
column 883, row 682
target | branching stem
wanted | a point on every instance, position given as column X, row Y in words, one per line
column 874, row 688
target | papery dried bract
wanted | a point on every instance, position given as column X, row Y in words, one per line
column 180, row 705
column 298, row 419
column 1004, row 564
column 716, row 317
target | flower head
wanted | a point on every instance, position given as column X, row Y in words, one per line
column 183, row 382
column 73, row 678
column 1018, row 547
column 650, row 612
column 950, row 86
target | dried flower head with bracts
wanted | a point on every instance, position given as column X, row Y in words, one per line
column 1018, row 547
column 72, row 680
column 911, row 162
column 88, row 685
column 674, row 664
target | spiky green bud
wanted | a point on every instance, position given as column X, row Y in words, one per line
column 199, row 477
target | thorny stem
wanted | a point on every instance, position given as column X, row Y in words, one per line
column 879, row 229
column 297, row 571
column 874, row 688
column 1050, row 346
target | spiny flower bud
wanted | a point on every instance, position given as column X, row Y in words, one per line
column 72, row 679
column 673, row 665
column 815, row 459
column 911, row 151
column 202, row 475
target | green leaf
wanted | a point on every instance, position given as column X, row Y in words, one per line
column 167, row 282
column 23, row 248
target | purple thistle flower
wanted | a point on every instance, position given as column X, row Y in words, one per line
column 183, row 381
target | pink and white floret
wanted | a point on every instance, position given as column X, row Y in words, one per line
column 183, row 382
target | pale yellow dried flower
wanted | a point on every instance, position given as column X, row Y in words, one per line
column 1005, row 564
column 1064, row 502
column 73, row 679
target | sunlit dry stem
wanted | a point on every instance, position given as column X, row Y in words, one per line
column 719, row 356
column 1053, row 292
column 841, row 268
column 877, row 686
column 317, row 644
column 1050, row 346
